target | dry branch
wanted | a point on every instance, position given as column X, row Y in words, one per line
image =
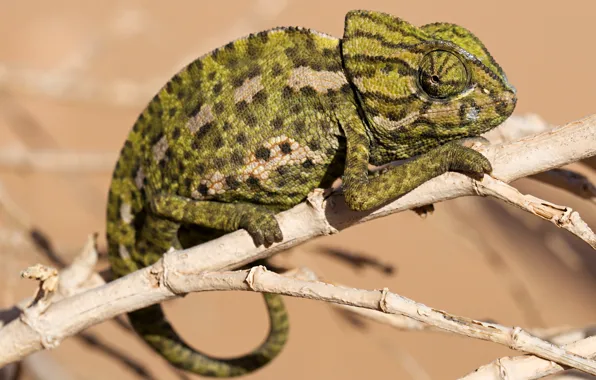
column 530, row 367
column 517, row 127
column 561, row 216
column 183, row 271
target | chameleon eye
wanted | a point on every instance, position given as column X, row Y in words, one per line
column 442, row 74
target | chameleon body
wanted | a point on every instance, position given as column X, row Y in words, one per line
column 251, row 128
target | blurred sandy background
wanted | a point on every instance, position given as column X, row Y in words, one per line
column 75, row 74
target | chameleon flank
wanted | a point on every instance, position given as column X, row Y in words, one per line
column 251, row 128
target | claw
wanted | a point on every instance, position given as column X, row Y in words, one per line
column 257, row 237
column 278, row 237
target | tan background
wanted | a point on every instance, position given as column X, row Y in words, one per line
column 75, row 74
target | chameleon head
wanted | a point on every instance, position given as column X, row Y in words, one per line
column 420, row 87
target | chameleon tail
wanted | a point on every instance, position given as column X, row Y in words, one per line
column 150, row 323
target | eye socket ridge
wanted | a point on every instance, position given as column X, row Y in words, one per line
column 442, row 74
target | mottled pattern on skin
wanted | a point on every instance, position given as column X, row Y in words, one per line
column 251, row 128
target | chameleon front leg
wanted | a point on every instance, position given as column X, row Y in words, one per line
column 423, row 211
column 363, row 192
column 257, row 220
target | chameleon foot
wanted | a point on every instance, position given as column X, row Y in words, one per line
column 462, row 159
column 262, row 227
column 424, row 211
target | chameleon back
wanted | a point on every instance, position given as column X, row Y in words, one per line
column 256, row 125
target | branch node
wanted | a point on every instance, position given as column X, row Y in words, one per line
column 29, row 318
column 163, row 274
column 316, row 201
column 516, row 334
column 502, row 369
column 48, row 283
column 158, row 276
column 251, row 279
column 383, row 303
column 565, row 217
column 477, row 188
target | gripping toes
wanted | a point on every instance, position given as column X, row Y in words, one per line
column 262, row 227
column 463, row 159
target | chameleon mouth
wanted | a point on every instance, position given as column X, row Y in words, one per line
column 504, row 105
column 509, row 96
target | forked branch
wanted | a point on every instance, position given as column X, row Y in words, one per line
column 179, row 272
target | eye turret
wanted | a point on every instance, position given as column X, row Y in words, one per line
column 442, row 74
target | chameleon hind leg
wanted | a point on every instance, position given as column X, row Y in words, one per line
column 258, row 221
column 159, row 233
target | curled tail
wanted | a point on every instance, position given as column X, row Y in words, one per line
column 151, row 324
column 128, row 229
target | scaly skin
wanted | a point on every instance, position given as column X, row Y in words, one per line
column 251, row 128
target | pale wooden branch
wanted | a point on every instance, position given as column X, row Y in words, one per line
column 171, row 279
column 530, row 367
column 179, row 272
column 561, row 216
column 517, row 127
column 564, row 334
column 397, row 321
column 261, row 280
column 400, row 322
column 82, row 270
column 560, row 335
column 581, row 341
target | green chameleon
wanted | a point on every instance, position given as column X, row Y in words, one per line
column 251, row 128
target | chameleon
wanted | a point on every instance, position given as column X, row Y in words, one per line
column 249, row 129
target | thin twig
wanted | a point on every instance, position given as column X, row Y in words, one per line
column 561, row 216
column 530, row 367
